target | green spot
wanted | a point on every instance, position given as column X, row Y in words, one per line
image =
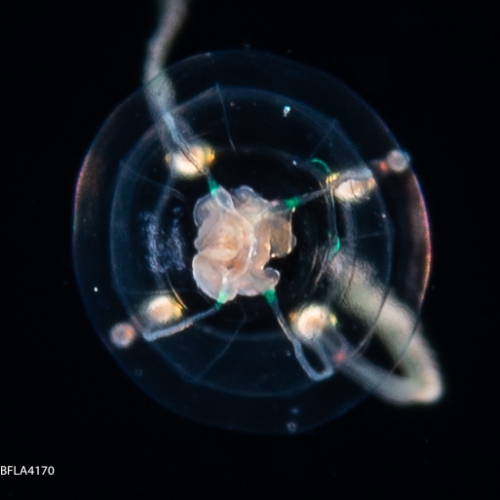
column 336, row 247
column 212, row 185
column 326, row 168
column 292, row 203
column 221, row 299
column 270, row 295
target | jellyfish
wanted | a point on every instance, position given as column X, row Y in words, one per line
column 252, row 244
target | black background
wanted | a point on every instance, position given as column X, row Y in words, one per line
column 429, row 69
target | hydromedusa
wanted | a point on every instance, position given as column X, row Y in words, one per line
column 252, row 244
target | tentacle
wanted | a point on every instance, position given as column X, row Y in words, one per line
column 151, row 334
column 297, row 343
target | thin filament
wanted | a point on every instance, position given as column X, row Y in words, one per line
column 172, row 14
